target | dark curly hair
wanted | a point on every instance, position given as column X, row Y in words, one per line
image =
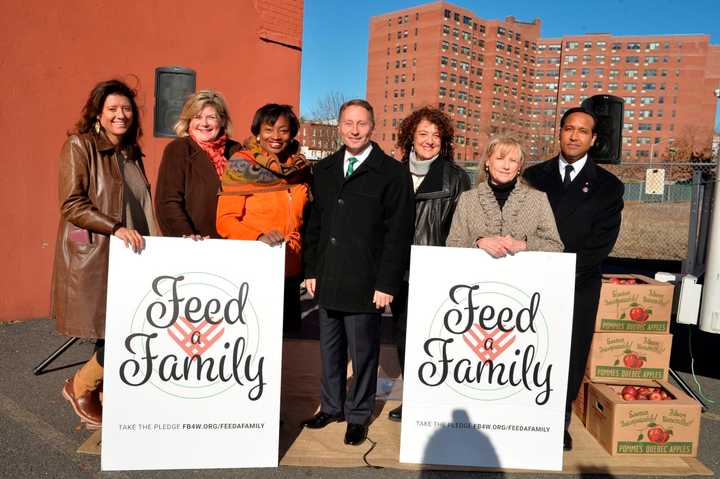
column 406, row 131
column 269, row 114
column 94, row 107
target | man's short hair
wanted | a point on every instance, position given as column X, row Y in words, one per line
column 579, row 109
column 358, row 102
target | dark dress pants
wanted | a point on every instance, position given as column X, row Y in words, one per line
column 399, row 311
column 587, row 295
column 360, row 334
column 291, row 305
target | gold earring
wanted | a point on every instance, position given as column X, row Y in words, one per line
column 97, row 127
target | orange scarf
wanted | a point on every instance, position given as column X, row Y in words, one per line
column 216, row 150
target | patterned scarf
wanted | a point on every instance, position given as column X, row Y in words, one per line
column 254, row 170
column 215, row 149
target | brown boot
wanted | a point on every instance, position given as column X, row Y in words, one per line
column 81, row 392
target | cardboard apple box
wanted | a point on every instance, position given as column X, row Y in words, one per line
column 643, row 428
column 645, row 306
column 622, row 358
column 579, row 405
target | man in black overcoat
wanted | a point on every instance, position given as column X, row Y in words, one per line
column 587, row 201
column 356, row 250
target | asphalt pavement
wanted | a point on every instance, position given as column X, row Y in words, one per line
column 39, row 437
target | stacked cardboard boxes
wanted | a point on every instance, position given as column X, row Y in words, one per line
column 631, row 346
column 632, row 341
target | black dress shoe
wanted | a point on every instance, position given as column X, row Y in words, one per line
column 396, row 414
column 355, row 434
column 320, row 420
column 567, row 442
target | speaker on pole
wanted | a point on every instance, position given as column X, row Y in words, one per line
column 609, row 111
column 172, row 87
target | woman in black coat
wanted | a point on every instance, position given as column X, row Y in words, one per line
column 426, row 139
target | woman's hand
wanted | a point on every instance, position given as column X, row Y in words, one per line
column 500, row 246
column 272, row 237
column 495, row 246
column 131, row 238
column 196, row 237
column 381, row 299
column 514, row 245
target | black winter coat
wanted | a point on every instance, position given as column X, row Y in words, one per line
column 435, row 202
column 588, row 214
column 359, row 232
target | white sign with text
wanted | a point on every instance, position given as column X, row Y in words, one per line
column 488, row 342
column 192, row 355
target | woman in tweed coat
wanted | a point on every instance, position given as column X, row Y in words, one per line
column 503, row 215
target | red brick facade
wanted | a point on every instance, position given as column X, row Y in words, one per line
column 495, row 76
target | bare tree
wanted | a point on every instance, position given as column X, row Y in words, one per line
column 328, row 106
column 694, row 144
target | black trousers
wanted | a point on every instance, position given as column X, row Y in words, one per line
column 399, row 311
column 291, row 305
column 360, row 334
column 587, row 295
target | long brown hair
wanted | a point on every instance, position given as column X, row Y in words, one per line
column 406, row 131
column 94, row 106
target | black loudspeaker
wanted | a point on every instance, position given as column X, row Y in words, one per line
column 609, row 111
column 172, row 87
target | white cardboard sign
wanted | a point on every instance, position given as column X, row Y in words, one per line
column 488, row 342
column 192, row 355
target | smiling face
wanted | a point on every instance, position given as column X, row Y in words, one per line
column 504, row 164
column 426, row 140
column 275, row 138
column 206, row 124
column 576, row 136
column 355, row 128
column 116, row 117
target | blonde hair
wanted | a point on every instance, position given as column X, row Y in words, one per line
column 194, row 105
column 507, row 145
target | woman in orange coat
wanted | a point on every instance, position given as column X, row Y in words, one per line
column 264, row 194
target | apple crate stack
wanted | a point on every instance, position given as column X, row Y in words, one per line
column 626, row 401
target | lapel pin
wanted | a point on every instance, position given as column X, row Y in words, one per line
column 586, row 188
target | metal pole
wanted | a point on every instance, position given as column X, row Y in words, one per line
column 689, row 263
column 708, row 189
column 38, row 370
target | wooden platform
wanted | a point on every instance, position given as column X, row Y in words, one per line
column 325, row 448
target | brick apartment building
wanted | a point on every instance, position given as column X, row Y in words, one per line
column 318, row 138
column 499, row 76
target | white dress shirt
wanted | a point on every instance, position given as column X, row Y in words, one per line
column 577, row 166
column 360, row 158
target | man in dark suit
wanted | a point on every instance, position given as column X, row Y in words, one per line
column 587, row 201
column 357, row 247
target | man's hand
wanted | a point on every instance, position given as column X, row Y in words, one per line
column 196, row 237
column 310, row 284
column 380, row 299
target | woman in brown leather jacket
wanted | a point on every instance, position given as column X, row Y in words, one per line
column 103, row 192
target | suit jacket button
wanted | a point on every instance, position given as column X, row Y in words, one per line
column 340, row 201
column 333, row 241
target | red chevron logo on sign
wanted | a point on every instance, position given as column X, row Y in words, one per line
column 488, row 345
column 193, row 338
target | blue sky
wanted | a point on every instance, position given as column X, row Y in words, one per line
column 335, row 34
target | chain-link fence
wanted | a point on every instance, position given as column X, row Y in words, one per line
column 662, row 201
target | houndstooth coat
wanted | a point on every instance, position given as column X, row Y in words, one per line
column 526, row 216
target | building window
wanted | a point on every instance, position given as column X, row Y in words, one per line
column 633, row 46
column 632, row 59
column 571, row 45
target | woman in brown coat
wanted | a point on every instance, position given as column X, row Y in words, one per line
column 192, row 167
column 503, row 215
column 103, row 192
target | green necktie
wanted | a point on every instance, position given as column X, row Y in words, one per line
column 351, row 166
